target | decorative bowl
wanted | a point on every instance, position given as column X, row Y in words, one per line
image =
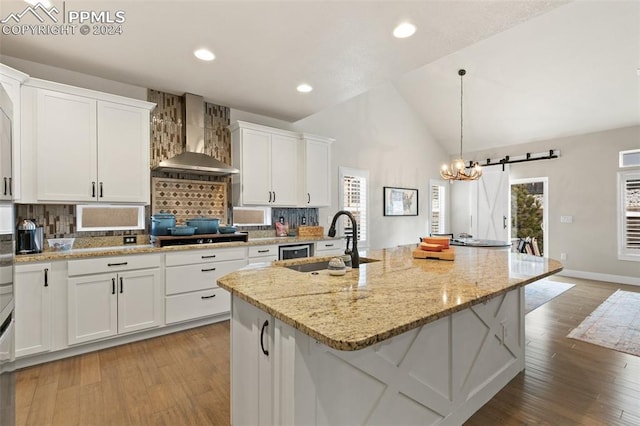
column 63, row 244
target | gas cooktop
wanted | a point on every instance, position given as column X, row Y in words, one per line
column 169, row 240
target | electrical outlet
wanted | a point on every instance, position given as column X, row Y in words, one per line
column 303, row 220
column 129, row 240
column 566, row 219
column 563, row 256
column 281, row 219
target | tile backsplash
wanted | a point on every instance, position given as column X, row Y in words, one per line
column 59, row 220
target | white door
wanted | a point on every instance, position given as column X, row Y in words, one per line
column 33, row 309
column 66, row 147
column 139, row 300
column 493, row 205
column 92, row 307
column 284, row 170
column 256, row 181
column 123, row 153
column 317, row 174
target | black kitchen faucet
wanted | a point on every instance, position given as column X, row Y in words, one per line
column 355, row 257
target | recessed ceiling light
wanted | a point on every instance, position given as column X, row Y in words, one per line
column 404, row 30
column 304, row 88
column 204, row 54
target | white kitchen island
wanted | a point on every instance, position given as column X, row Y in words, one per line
column 400, row 341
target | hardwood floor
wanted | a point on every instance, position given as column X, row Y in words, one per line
column 183, row 378
column 567, row 381
column 178, row 379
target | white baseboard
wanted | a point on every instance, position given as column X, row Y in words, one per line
column 619, row 279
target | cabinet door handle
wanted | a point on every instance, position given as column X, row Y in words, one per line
column 208, row 270
column 121, row 289
column 46, row 277
column 274, row 196
column 113, row 286
column 209, row 256
column 101, row 190
column 117, row 264
column 269, row 196
column 328, row 245
column 5, row 186
column 93, row 190
column 504, row 222
column 10, row 186
column 208, row 297
column 264, row 325
column 264, row 251
column 308, row 198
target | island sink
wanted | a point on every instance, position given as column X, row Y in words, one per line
column 319, row 266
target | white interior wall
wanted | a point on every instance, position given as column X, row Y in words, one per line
column 582, row 184
column 379, row 132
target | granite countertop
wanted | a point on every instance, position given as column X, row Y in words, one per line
column 83, row 253
column 386, row 298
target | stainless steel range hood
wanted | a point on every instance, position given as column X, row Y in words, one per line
column 193, row 160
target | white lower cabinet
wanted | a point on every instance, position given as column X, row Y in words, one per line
column 191, row 287
column 33, row 309
column 107, row 304
column 252, row 365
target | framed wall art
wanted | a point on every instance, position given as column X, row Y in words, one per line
column 400, row 201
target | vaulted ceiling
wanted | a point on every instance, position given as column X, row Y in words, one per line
column 536, row 69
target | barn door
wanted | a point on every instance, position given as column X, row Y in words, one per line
column 493, row 214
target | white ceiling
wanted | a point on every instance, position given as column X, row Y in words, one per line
column 536, row 69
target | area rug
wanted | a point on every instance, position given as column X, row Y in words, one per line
column 615, row 324
column 540, row 292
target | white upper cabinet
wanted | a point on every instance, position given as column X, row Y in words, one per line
column 123, row 153
column 11, row 81
column 279, row 167
column 84, row 146
column 267, row 159
column 316, row 157
column 66, row 147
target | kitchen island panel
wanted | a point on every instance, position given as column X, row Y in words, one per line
column 439, row 373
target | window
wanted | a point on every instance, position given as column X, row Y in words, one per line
column 354, row 199
column 629, row 215
column 109, row 217
column 438, row 207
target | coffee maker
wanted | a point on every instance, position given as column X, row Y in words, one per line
column 30, row 237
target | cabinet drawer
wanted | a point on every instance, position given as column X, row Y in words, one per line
column 182, row 279
column 113, row 264
column 183, row 307
column 329, row 245
column 259, row 251
column 188, row 257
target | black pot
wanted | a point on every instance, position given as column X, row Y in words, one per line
column 161, row 222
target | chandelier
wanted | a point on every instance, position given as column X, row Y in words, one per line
column 458, row 170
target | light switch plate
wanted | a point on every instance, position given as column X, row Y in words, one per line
column 566, row 219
